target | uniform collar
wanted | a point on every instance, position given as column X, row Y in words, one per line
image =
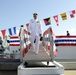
column 36, row 20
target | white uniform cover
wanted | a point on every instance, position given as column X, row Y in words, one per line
column 35, row 29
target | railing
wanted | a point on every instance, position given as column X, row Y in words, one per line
column 24, row 45
column 48, row 39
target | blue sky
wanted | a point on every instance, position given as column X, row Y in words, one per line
column 18, row 12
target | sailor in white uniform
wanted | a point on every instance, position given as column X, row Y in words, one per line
column 35, row 31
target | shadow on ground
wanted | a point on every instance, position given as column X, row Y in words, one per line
column 8, row 72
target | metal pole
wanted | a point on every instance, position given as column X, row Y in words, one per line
column 51, row 46
column 20, row 49
column 21, row 46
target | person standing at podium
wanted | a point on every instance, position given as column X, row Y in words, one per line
column 35, row 32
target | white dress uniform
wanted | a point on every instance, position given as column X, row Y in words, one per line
column 35, row 29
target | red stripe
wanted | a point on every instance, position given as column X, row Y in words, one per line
column 66, row 44
column 49, row 31
column 14, row 37
column 14, row 44
column 65, row 36
column 25, row 51
column 46, row 32
column 48, row 47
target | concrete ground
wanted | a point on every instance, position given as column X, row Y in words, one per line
column 66, row 72
column 70, row 72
